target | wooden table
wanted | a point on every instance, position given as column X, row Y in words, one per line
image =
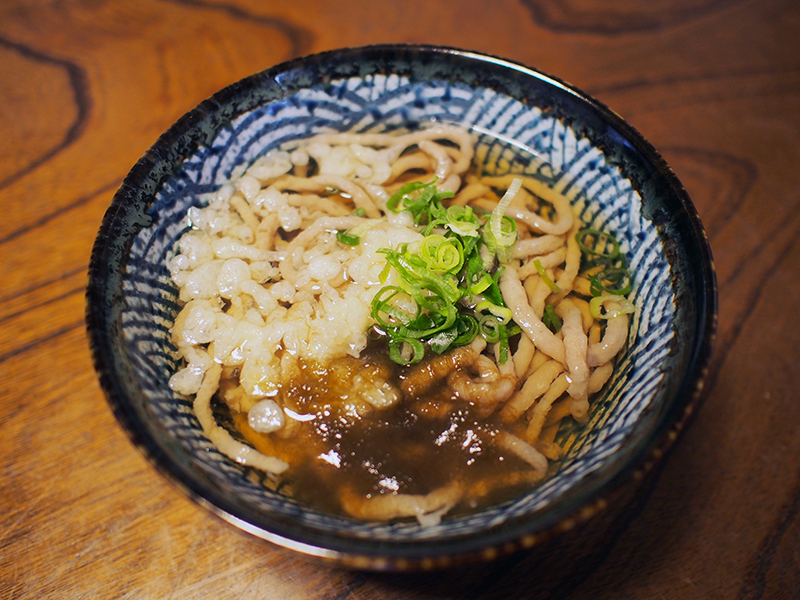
column 86, row 87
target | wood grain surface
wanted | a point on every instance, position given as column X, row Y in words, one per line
column 87, row 85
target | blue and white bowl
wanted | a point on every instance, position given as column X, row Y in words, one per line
column 524, row 122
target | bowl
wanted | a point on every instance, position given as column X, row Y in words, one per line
column 523, row 121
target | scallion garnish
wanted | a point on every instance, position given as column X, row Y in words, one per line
column 545, row 277
column 455, row 261
column 443, row 255
column 352, row 236
column 502, row 229
column 421, row 200
column 406, row 351
column 347, row 239
column 596, row 243
column 604, row 263
column 550, row 319
column 614, row 280
column 620, row 305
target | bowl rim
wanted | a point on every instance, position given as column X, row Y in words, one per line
column 124, row 216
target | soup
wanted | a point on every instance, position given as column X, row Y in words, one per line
column 393, row 333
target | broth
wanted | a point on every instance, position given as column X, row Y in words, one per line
column 412, row 447
column 395, row 334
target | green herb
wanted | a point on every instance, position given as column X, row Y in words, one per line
column 602, row 250
column 597, row 243
column 352, row 236
column 347, row 239
column 421, row 200
column 441, row 254
column 545, row 277
column 438, row 278
column 599, row 310
column 614, row 280
column 550, row 319
column 502, row 232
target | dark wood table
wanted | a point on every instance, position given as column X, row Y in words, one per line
column 87, row 86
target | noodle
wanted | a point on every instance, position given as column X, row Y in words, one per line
column 363, row 300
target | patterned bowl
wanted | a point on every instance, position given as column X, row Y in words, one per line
column 523, row 121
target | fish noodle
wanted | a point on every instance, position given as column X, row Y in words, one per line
column 470, row 192
column 529, row 322
column 423, row 376
column 412, row 162
column 242, row 206
column 265, row 232
column 398, row 143
column 241, row 453
column 535, row 386
column 560, row 203
column 599, row 377
column 385, row 507
column 524, row 451
column 537, row 291
column 319, row 183
column 439, row 156
column 614, row 338
column 558, row 411
column 546, row 261
column 572, row 261
column 523, row 356
column 575, row 347
column 490, row 388
column 539, row 413
column 536, row 246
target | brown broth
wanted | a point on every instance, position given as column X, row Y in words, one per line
column 333, row 441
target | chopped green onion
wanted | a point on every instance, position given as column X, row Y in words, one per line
column 504, row 238
column 545, row 277
column 467, row 328
column 490, row 328
column 421, row 200
column 402, row 195
column 492, row 293
column 382, row 305
column 501, row 247
column 443, row 340
column 406, row 352
column 463, row 221
column 614, row 280
column 454, row 260
column 503, row 345
column 352, row 237
column 550, row 319
column 503, row 314
column 461, row 332
column 348, row 240
column 620, row 305
column 599, row 241
column 443, row 255
column 481, row 285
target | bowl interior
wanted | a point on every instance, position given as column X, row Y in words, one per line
column 523, row 122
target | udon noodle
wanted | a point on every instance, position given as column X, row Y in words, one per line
column 392, row 332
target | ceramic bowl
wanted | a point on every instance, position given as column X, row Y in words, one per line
column 523, row 121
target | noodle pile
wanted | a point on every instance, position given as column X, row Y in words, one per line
column 284, row 266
